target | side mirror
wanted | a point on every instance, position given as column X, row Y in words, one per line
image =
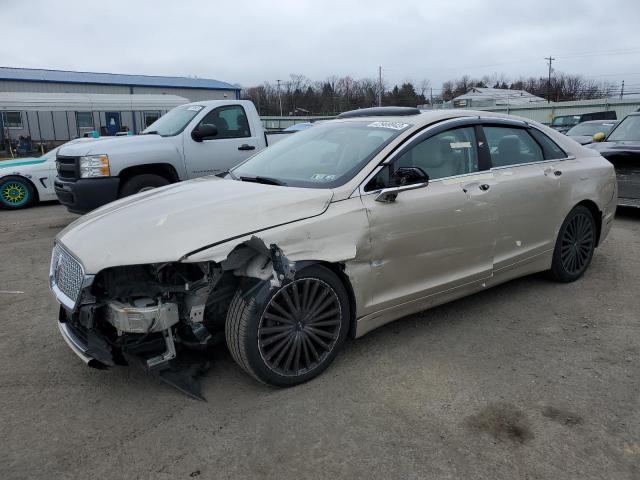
column 403, row 179
column 409, row 176
column 203, row 132
column 598, row 137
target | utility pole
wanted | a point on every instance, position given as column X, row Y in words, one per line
column 549, row 59
column 379, row 86
column 622, row 90
column 431, row 98
column 279, row 96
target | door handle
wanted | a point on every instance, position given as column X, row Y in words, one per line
column 484, row 187
column 557, row 173
column 246, row 147
column 549, row 171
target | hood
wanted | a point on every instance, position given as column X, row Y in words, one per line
column 164, row 224
column 107, row 145
column 613, row 148
column 21, row 162
column 582, row 139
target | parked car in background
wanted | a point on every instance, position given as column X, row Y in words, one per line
column 330, row 233
column 563, row 123
column 192, row 140
column 622, row 148
column 28, row 180
column 583, row 132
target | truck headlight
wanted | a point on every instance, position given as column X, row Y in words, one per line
column 94, row 166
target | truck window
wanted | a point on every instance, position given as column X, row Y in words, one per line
column 231, row 122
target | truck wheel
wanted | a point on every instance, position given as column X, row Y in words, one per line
column 16, row 192
column 141, row 183
column 574, row 246
column 294, row 333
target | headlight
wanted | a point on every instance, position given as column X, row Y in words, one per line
column 94, row 166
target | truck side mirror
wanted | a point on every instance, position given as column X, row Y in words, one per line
column 598, row 137
column 204, row 132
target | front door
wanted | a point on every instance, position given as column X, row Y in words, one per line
column 233, row 143
column 438, row 237
column 112, row 120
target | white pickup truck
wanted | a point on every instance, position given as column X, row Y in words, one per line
column 192, row 140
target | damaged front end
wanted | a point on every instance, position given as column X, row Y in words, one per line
column 161, row 317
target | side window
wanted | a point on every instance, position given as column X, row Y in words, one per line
column 511, row 146
column 550, row 149
column 230, row 121
column 446, row 154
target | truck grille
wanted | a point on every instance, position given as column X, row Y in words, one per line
column 67, row 167
column 65, row 277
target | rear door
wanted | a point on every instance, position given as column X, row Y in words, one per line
column 234, row 142
column 530, row 190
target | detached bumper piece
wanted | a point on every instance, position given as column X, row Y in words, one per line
column 153, row 352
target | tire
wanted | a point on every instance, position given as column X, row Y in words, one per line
column 16, row 192
column 140, row 183
column 275, row 344
column 574, row 246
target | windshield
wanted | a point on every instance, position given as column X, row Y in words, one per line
column 325, row 156
column 565, row 120
column 627, row 129
column 590, row 129
column 174, row 121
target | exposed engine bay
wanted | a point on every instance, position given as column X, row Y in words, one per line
column 164, row 317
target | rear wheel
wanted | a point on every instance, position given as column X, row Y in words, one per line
column 16, row 192
column 574, row 246
column 294, row 333
column 142, row 183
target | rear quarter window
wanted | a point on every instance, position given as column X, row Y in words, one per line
column 550, row 149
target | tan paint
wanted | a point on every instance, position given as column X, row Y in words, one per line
column 430, row 246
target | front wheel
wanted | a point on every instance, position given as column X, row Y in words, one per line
column 142, row 183
column 16, row 192
column 294, row 333
column 574, row 246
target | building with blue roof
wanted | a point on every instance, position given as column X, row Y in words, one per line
column 53, row 106
column 61, row 81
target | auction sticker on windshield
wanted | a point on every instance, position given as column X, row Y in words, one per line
column 391, row 125
column 195, row 108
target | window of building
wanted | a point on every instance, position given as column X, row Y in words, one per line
column 84, row 119
column 12, row 119
column 149, row 118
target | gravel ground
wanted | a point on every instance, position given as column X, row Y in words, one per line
column 531, row 379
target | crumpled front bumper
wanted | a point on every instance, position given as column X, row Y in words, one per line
column 88, row 345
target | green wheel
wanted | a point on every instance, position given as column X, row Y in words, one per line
column 15, row 192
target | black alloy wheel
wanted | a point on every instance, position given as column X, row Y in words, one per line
column 574, row 246
column 300, row 327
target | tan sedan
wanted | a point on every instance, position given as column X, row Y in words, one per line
column 330, row 233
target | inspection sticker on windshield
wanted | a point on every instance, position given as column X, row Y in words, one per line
column 456, row 145
column 391, row 125
column 323, row 177
column 195, row 108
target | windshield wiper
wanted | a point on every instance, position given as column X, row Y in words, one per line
column 265, row 180
column 152, row 132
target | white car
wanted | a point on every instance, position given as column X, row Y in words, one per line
column 25, row 181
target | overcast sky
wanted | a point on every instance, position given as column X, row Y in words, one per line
column 249, row 42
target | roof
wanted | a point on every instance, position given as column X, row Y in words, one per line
column 500, row 95
column 23, row 101
column 64, row 76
